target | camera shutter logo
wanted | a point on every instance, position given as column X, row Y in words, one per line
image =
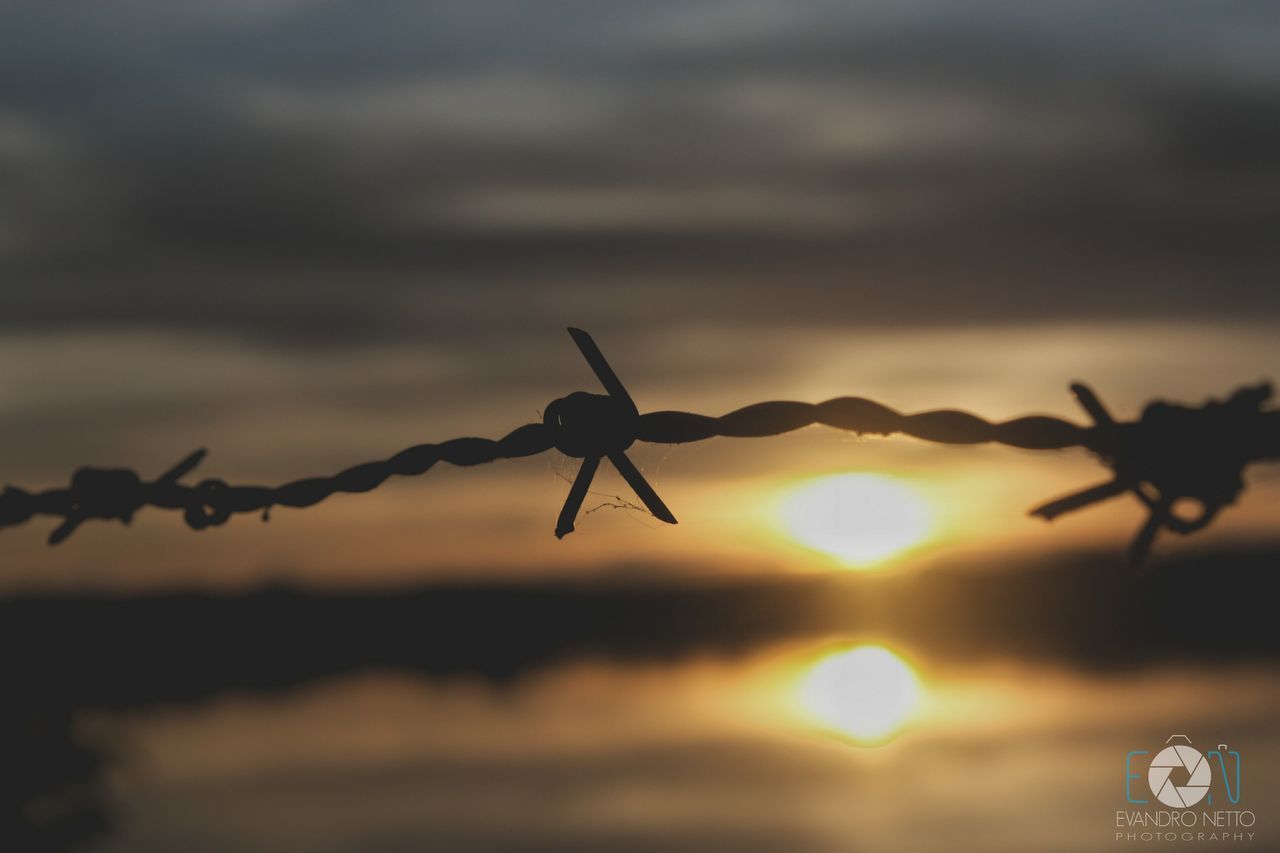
column 1171, row 758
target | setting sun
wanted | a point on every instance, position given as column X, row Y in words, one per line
column 866, row 693
column 861, row 519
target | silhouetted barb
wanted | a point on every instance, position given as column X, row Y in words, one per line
column 1176, row 453
column 1172, row 453
column 592, row 426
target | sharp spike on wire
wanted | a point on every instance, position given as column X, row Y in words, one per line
column 1078, row 500
column 577, row 493
column 1145, row 538
column 600, row 366
column 641, row 487
column 64, row 530
column 1091, row 404
column 177, row 472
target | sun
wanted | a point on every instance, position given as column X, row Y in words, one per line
column 866, row 693
column 860, row 519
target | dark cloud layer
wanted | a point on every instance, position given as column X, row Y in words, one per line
column 340, row 172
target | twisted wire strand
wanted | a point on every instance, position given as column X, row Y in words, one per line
column 865, row 417
column 118, row 494
column 1171, row 452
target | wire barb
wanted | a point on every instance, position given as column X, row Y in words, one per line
column 1171, row 454
column 1176, row 453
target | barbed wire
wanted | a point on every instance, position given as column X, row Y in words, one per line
column 1171, row 453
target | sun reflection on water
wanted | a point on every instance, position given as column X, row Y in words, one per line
column 866, row 693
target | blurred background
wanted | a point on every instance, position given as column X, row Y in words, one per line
column 310, row 234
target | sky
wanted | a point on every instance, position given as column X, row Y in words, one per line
column 307, row 235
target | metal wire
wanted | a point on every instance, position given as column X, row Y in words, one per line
column 1171, row 453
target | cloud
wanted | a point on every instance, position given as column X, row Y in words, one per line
column 287, row 173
